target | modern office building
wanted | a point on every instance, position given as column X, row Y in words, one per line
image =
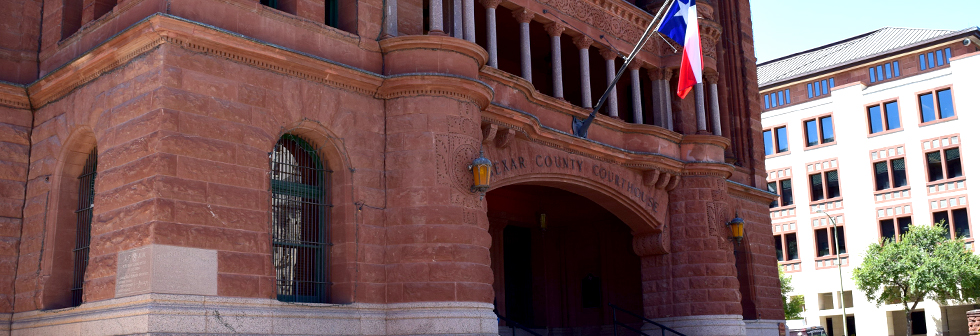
column 305, row 167
column 877, row 132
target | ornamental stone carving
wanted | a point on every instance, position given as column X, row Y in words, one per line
column 583, row 42
column 554, row 29
column 490, row 3
column 523, row 15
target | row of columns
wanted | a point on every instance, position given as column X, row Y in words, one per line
column 660, row 79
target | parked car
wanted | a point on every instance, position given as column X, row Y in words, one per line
column 808, row 331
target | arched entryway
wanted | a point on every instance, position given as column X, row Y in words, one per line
column 559, row 260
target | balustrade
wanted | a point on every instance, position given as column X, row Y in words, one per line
column 457, row 18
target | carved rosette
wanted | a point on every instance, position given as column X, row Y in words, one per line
column 710, row 34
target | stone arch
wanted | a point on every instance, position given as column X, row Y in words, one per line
column 60, row 228
column 620, row 204
column 333, row 154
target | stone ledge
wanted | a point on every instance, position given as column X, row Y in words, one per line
column 719, row 325
column 197, row 314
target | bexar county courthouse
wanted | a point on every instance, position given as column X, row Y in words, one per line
column 301, row 167
column 879, row 132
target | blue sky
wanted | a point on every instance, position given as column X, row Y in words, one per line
column 783, row 27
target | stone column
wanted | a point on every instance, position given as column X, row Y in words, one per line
column 469, row 23
column 712, row 79
column 583, row 43
column 634, row 68
column 554, row 30
column 435, row 18
column 612, row 102
column 699, row 108
column 391, row 19
column 491, row 6
column 525, row 16
column 667, row 98
column 657, row 95
column 458, row 18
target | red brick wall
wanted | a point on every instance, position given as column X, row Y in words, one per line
column 19, row 32
column 14, row 147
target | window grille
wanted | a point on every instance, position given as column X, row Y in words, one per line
column 83, row 227
column 300, row 216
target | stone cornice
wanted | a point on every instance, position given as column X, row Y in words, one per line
column 444, row 43
column 712, row 140
column 14, row 96
column 163, row 29
column 750, row 193
column 408, row 85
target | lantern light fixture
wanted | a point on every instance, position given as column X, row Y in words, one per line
column 481, row 174
column 737, row 226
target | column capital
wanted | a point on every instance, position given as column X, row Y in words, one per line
column 710, row 76
column 608, row 54
column 554, row 29
column 668, row 73
column 583, row 42
column 490, row 3
column 635, row 65
column 655, row 73
column 523, row 15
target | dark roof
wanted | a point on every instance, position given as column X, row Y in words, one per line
column 877, row 42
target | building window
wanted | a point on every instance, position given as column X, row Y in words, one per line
column 783, row 188
column 270, row 3
column 824, row 185
column 300, row 218
column 786, row 247
column 819, row 88
column 332, row 15
column 933, row 59
column 944, row 164
column 893, row 228
column 776, row 99
column 884, row 71
column 936, row 105
column 960, row 223
column 884, row 116
column 824, row 239
column 819, row 131
column 890, row 174
column 776, row 140
column 83, row 227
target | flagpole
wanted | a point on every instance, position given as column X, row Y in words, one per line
column 580, row 127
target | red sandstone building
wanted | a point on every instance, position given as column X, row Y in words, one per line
column 301, row 167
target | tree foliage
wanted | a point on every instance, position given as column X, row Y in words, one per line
column 793, row 305
column 923, row 264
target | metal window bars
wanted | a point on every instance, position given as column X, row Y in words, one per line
column 83, row 227
column 299, row 216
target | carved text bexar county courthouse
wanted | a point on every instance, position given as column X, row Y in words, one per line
column 302, row 167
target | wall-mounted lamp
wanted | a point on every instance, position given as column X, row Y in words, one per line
column 481, row 174
column 737, row 226
column 543, row 221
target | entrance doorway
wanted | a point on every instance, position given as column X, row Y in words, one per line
column 559, row 260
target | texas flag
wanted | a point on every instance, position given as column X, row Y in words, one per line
column 681, row 25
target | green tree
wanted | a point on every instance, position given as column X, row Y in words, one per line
column 792, row 306
column 923, row 264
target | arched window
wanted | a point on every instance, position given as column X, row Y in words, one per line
column 300, row 217
column 83, row 227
